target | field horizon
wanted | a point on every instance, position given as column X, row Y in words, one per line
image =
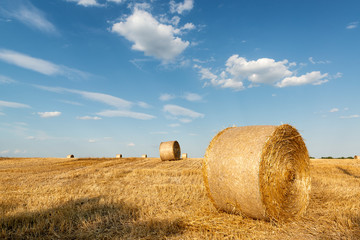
column 146, row 198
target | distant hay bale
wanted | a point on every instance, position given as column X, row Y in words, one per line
column 70, row 156
column 169, row 150
column 118, row 155
column 184, row 155
column 259, row 171
column 144, row 156
column 356, row 157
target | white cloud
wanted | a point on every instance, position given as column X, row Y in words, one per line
column 39, row 65
column 174, row 125
column 49, row 114
column 123, row 113
column 334, row 110
column 6, row 80
column 260, row 71
column 144, row 104
column 92, row 140
column 179, row 8
column 314, row 78
column 2, row 114
column 28, row 14
column 88, row 118
column 352, row 25
column 159, row 133
column 192, row 97
column 263, row 70
column 116, row 1
column 311, row 59
column 13, row 104
column 103, row 98
column 86, row 3
column 151, row 37
column 166, row 97
column 185, row 120
column 131, row 144
column 179, row 111
column 351, row 116
column 4, row 151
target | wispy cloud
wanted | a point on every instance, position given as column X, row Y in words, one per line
column 88, row 118
column 6, row 80
column 27, row 14
column 311, row 59
column 351, row 116
column 13, row 104
column 166, row 97
column 352, row 25
column 124, row 113
column 192, row 97
column 94, row 3
column 181, row 113
column 334, row 110
column 40, row 65
column 49, row 114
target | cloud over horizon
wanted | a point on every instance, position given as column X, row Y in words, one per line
column 261, row 71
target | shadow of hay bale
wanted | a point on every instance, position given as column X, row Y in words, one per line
column 86, row 218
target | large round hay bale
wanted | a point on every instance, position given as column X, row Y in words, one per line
column 70, row 156
column 259, row 171
column 169, row 150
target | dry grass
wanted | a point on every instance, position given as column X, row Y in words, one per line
column 136, row 198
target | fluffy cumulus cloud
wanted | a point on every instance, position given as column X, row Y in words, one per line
column 49, row 114
column 150, row 36
column 181, row 7
column 182, row 114
column 24, row 12
column 261, row 71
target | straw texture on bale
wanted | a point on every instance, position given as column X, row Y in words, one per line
column 357, row 157
column 118, row 155
column 70, row 156
column 259, row 171
column 184, row 155
column 144, row 156
column 169, row 151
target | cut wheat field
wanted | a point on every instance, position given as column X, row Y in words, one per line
column 137, row 198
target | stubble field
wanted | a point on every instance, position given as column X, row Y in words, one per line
column 136, row 198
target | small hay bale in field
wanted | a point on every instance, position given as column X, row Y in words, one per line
column 184, row 155
column 70, row 156
column 144, row 156
column 118, row 155
column 259, row 171
column 169, row 150
column 356, row 157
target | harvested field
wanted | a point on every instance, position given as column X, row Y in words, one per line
column 137, row 198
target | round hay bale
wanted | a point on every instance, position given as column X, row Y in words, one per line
column 259, row 171
column 118, row 155
column 184, row 155
column 70, row 156
column 144, row 156
column 169, row 150
column 356, row 157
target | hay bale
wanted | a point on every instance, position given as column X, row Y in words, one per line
column 70, row 156
column 118, row 155
column 169, row 150
column 259, row 171
column 356, row 157
column 144, row 156
column 184, row 155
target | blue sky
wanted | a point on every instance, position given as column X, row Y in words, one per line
column 95, row 78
